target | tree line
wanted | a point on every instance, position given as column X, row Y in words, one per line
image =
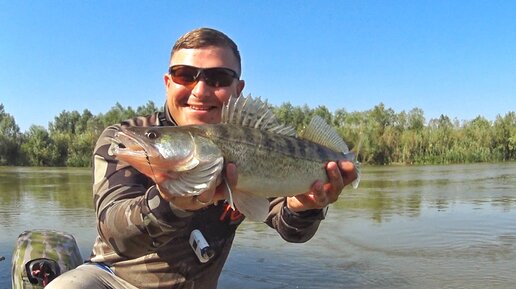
column 379, row 135
column 69, row 140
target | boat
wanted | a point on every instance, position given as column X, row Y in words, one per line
column 42, row 255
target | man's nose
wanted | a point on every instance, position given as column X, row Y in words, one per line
column 201, row 88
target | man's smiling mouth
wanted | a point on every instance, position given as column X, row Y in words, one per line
column 200, row 108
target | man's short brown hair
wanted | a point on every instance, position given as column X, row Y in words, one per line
column 204, row 37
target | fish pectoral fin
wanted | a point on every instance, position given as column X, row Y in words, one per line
column 251, row 206
column 197, row 180
column 229, row 193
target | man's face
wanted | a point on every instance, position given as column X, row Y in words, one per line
column 201, row 103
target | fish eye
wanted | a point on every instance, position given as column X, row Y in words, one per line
column 151, row 134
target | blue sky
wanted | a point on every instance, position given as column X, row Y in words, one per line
column 456, row 58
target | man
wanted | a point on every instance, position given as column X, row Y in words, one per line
column 144, row 235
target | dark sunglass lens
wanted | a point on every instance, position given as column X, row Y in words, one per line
column 219, row 77
column 184, row 74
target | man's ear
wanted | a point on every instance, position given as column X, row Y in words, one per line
column 240, row 87
column 167, row 79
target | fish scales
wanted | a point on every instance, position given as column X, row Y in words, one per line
column 270, row 164
column 225, row 134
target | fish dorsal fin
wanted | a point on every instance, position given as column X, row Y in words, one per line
column 254, row 113
column 320, row 132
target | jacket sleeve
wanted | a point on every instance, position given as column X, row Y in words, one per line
column 132, row 218
column 293, row 227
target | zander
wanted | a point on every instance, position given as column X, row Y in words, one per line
column 272, row 160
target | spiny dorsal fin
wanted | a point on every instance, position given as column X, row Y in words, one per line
column 253, row 112
column 318, row 131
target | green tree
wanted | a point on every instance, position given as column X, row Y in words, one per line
column 75, row 134
column 504, row 139
column 9, row 138
column 65, row 122
column 41, row 150
column 476, row 137
column 415, row 119
column 297, row 117
column 410, row 129
column 146, row 109
column 382, row 137
column 116, row 114
column 80, row 150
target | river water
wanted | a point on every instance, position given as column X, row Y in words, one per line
column 405, row 227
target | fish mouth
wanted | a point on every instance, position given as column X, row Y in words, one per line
column 126, row 143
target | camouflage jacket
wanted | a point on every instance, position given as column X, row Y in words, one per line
column 146, row 241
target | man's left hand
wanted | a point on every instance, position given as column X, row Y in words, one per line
column 340, row 174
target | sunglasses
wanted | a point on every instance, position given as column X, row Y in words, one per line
column 215, row 76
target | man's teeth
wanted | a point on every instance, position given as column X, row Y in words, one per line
column 199, row 107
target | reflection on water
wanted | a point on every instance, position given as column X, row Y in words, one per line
column 405, row 227
column 43, row 198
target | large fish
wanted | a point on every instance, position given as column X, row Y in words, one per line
column 271, row 160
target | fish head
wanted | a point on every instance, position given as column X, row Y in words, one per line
column 181, row 159
column 155, row 149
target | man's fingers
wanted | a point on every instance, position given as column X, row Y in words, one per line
column 231, row 175
column 349, row 172
column 336, row 181
column 318, row 196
